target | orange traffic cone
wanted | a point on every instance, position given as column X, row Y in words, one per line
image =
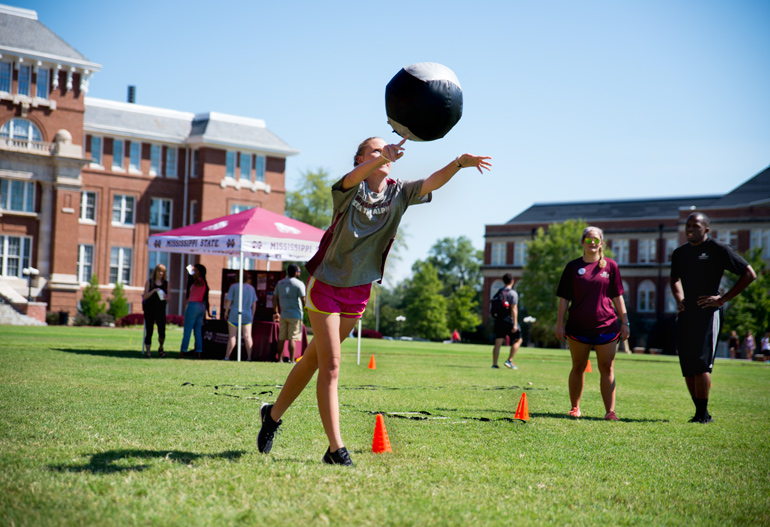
column 588, row 367
column 372, row 365
column 381, row 443
column 522, row 411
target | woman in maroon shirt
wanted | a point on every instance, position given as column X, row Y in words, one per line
column 591, row 291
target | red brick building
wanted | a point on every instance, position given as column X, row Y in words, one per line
column 86, row 181
column 642, row 234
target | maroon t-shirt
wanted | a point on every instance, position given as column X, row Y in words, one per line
column 590, row 290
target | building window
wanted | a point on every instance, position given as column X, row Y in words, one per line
column 17, row 195
column 15, row 254
column 21, row 129
column 645, row 298
column 154, row 160
column 25, row 80
column 96, row 150
column 160, row 213
column 230, row 165
column 260, row 169
column 236, row 208
column 760, row 238
column 671, row 244
column 728, row 236
column 88, row 206
column 647, row 251
column 520, row 254
column 171, row 154
column 157, row 257
column 193, row 212
column 620, row 250
column 85, row 262
column 41, row 89
column 194, row 167
column 234, row 262
column 120, row 265
column 670, row 305
column 123, row 209
column 135, row 156
column 5, row 76
column 245, row 172
column 117, row 154
column 498, row 254
column 626, row 289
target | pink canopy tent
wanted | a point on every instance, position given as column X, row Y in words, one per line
column 252, row 233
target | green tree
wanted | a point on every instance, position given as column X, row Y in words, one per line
column 424, row 306
column 750, row 310
column 91, row 304
column 118, row 303
column 457, row 262
column 312, row 201
column 463, row 309
column 548, row 253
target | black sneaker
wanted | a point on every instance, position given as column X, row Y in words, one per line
column 269, row 429
column 339, row 457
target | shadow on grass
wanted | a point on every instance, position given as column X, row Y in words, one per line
column 597, row 418
column 115, row 461
column 121, row 354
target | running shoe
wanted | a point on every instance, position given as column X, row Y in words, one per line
column 338, row 457
column 269, row 429
column 611, row 416
column 575, row 412
column 495, row 367
column 509, row 364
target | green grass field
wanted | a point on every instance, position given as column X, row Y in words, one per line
column 93, row 434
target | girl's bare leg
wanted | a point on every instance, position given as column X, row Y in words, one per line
column 579, row 352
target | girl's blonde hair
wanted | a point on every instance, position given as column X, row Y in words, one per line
column 159, row 267
column 586, row 231
column 361, row 149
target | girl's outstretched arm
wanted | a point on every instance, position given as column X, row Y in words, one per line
column 439, row 178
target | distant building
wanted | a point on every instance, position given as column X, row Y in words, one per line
column 642, row 235
column 84, row 182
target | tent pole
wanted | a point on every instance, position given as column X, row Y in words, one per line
column 359, row 343
column 240, row 305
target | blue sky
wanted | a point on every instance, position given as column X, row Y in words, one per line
column 574, row 100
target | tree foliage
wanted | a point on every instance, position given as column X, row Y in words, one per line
column 457, row 262
column 91, row 305
column 312, row 201
column 463, row 309
column 118, row 302
column 751, row 309
column 549, row 252
column 424, row 305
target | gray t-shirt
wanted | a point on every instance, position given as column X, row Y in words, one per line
column 289, row 292
column 353, row 250
column 249, row 297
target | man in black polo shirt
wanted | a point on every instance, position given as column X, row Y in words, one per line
column 697, row 268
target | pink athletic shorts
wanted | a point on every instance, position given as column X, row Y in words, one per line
column 348, row 302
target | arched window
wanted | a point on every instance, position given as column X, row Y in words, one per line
column 626, row 291
column 20, row 129
column 645, row 297
column 670, row 305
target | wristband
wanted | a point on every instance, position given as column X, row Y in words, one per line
column 457, row 160
column 382, row 154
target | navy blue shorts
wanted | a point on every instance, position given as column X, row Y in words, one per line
column 604, row 338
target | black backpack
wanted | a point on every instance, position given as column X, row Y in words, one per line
column 500, row 305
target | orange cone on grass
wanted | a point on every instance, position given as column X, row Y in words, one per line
column 522, row 411
column 372, row 365
column 381, row 443
column 588, row 367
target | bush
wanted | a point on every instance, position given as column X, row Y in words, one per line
column 134, row 319
column 368, row 334
column 51, row 318
column 102, row 319
column 91, row 304
column 118, row 303
column 81, row 320
column 177, row 320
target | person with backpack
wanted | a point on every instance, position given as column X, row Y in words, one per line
column 505, row 312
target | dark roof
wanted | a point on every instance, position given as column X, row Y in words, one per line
column 21, row 32
column 610, row 210
column 755, row 190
